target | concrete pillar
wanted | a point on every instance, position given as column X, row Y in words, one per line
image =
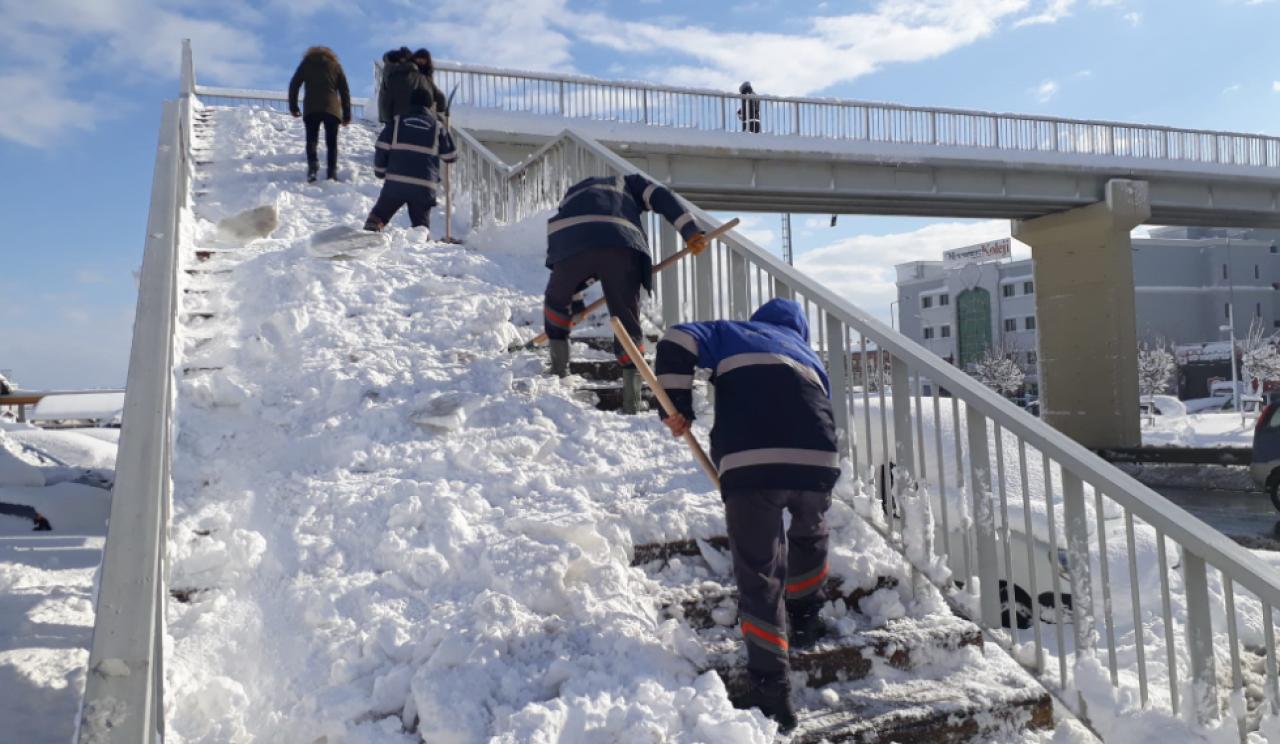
column 1086, row 318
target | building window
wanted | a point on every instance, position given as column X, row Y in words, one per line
column 944, row 300
column 1030, row 323
column 1032, row 359
column 928, row 334
column 1006, row 290
column 926, row 302
column 1257, row 273
column 1010, row 325
column 1028, row 287
column 946, row 331
column 1224, row 271
column 1226, row 310
column 1275, row 249
column 1259, row 311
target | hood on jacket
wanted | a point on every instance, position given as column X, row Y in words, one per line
column 785, row 313
column 321, row 51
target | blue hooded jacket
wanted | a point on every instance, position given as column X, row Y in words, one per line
column 774, row 425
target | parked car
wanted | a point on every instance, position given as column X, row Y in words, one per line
column 1265, row 466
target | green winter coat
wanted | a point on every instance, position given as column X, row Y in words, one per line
column 326, row 85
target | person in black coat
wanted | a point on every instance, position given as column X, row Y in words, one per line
column 327, row 103
column 749, row 114
column 401, row 76
column 439, row 103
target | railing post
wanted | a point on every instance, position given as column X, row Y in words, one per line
column 1075, row 523
column 1204, row 675
column 562, row 111
column 984, row 517
column 903, row 442
column 188, row 69
column 739, row 298
column 644, row 97
column 22, row 413
column 669, row 280
column 838, row 372
column 704, row 283
column 797, row 106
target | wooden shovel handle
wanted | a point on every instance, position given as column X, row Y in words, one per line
column 664, row 400
column 667, row 262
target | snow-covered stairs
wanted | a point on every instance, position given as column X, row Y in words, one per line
column 846, row 696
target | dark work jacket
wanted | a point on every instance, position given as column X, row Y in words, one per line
column 774, row 427
column 399, row 81
column 607, row 212
column 408, row 155
column 325, row 83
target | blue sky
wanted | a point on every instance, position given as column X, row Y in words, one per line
column 82, row 81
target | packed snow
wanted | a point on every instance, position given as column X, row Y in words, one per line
column 97, row 407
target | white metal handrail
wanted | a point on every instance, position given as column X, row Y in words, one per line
column 272, row 99
column 1007, row 459
column 573, row 96
column 124, row 690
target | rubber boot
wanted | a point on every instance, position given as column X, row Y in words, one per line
column 631, row 400
column 313, row 167
column 804, row 627
column 559, row 348
column 772, row 695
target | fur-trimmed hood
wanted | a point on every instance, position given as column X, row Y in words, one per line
column 321, row 51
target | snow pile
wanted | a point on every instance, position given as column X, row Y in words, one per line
column 1215, row 429
column 17, row 466
column 104, row 407
column 395, row 528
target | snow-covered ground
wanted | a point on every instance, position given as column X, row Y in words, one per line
column 47, row 578
column 1215, row 429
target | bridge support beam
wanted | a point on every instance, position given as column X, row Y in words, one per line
column 1086, row 318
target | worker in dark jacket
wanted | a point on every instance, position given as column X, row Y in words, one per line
column 401, row 76
column 774, row 445
column 327, row 102
column 749, row 114
column 597, row 233
column 407, row 156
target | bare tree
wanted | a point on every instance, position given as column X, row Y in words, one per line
column 1156, row 368
column 999, row 370
column 1260, row 359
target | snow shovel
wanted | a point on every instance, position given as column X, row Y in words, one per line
column 665, row 263
column 664, row 400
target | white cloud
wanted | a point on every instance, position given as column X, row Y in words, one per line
column 1233, row 88
column 1275, row 86
column 129, row 39
column 861, row 268
column 757, row 229
column 502, row 33
column 1044, row 92
column 1051, row 12
column 1134, row 18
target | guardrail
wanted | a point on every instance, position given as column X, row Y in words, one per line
column 20, row 399
column 578, row 97
column 124, row 689
column 272, row 99
column 981, row 487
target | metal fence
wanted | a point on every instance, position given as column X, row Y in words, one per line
column 577, row 97
column 274, row 100
column 1168, row 608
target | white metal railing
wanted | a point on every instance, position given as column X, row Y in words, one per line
column 578, row 97
column 1166, row 606
column 124, row 690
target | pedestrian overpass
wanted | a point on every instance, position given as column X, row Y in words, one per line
column 1075, row 188
column 1170, row 619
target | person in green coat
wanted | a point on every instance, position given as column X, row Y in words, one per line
column 327, row 102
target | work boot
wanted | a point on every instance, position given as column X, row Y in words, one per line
column 772, row 695
column 804, row 626
column 559, row 348
column 313, row 167
column 333, row 174
column 631, row 399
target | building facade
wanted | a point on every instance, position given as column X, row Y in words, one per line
column 1187, row 282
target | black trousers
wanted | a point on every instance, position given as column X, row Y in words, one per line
column 619, row 271
column 387, row 206
column 774, row 568
column 330, row 122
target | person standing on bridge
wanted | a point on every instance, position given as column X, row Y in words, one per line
column 327, row 102
column 774, row 445
column 407, row 157
column 598, row 233
column 401, row 76
column 749, row 114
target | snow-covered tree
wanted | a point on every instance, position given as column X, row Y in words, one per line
column 1156, row 368
column 1260, row 359
column 999, row 370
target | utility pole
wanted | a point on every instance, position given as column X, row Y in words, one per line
column 786, row 240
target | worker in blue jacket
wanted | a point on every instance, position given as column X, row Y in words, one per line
column 407, row 157
column 598, row 233
column 774, row 445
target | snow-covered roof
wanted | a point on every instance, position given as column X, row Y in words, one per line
column 80, row 407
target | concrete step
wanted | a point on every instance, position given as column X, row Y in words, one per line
column 970, row 703
column 902, row 644
column 707, row 607
column 598, row 370
column 645, row 553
